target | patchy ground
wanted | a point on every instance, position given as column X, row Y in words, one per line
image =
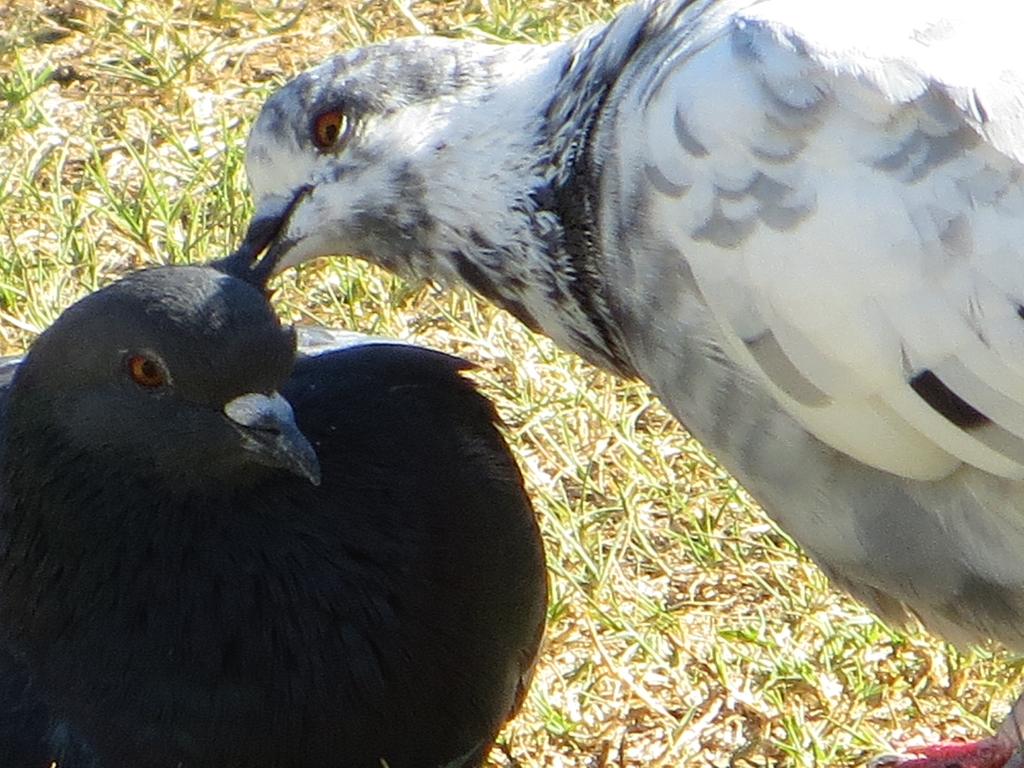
column 684, row 627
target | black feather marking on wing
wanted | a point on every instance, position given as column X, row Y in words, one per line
column 946, row 402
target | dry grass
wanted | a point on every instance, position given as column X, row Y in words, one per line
column 684, row 627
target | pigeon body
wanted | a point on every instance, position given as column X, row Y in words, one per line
column 800, row 223
column 227, row 556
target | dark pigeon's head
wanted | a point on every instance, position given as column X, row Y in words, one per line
column 173, row 373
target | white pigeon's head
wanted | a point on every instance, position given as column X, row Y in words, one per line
column 371, row 152
column 442, row 159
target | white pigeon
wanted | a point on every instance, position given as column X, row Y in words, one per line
column 800, row 222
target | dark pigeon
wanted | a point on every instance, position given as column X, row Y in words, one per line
column 217, row 555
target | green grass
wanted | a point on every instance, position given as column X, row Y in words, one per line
column 684, row 627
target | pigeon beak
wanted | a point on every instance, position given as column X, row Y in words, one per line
column 265, row 234
column 269, row 433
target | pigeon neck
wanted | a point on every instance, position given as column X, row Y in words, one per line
column 594, row 65
column 564, row 214
column 527, row 238
column 65, row 515
column 52, row 483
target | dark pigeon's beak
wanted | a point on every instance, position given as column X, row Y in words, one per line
column 265, row 233
column 269, row 433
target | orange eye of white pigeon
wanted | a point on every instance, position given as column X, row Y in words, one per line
column 329, row 128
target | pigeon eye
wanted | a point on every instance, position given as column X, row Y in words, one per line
column 329, row 128
column 146, row 372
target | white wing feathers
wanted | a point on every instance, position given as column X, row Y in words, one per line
column 7, row 367
column 849, row 198
column 315, row 340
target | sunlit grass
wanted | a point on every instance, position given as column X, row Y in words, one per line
column 684, row 627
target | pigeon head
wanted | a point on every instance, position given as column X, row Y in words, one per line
column 449, row 160
column 378, row 152
column 169, row 375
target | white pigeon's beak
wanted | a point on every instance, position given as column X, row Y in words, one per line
column 271, row 436
column 267, row 234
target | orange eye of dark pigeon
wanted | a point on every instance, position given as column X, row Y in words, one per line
column 146, row 372
column 328, row 128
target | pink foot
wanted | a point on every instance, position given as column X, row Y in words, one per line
column 987, row 753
